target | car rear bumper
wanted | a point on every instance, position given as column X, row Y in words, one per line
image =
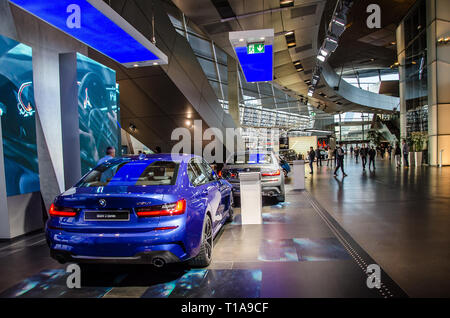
column 267, row 191
column 116, row 248
column 163, row 257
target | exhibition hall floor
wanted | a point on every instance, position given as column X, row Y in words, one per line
column 299, row 251
column 401, row 217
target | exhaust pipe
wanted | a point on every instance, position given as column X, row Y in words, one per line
column 158, row 262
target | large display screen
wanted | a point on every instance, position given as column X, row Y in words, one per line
column 17, row 112
column 98, row 105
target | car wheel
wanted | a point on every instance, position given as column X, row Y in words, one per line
column 203, row 258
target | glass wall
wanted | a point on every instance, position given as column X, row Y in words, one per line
column 416, row 89
column 349, row 132
column 370, row 80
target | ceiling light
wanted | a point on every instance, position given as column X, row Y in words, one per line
column 188, row 122
column 241, row 40
column 323, row 52
column 262, row 38
column 289, row 33
column 155, row 63
column 136, row 65
column 330, row 44
column 321, row 58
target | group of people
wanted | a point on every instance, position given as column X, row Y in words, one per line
column 372, row 153
column 364, row 153
column 337, row 155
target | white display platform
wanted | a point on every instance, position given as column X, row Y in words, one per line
column 251, row 197
column 299, row 174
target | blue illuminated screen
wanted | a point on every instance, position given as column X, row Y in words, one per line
column 96, row 30
column 98, row 109
column 17, row 112
column 256, row 67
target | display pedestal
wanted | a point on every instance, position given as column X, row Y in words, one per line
column 251, row 197
column 418, row 158
column 299, row 174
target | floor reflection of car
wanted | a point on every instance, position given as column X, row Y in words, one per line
column 272, row 178
column 155, row 209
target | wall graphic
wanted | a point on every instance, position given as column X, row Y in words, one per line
column 17, row 112
column 99, row 111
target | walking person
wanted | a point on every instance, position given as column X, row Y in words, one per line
column 351, row 151
column 330, row 156
column 318, row 157
column 357, row 153
column 340, row 160
column 311, row 157
column 405, row 150
column 398, row 155
column 372, row 155
column 363, row 153
column 389, row 149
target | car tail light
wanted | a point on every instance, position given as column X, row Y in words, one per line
column 176, row 208
column 57, row 211
column 271, row 174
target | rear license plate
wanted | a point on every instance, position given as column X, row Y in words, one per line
column 107, row 215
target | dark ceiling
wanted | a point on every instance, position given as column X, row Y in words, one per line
column 361, row 47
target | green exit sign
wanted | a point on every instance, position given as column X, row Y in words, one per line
column 254, row 48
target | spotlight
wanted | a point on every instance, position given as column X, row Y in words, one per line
column 337, row 25
column 323, row 52
column 330, row 43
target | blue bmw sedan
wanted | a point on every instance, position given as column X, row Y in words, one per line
column 155, row 209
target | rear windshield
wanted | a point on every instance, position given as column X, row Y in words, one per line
column 132, row 173
column 252, row 158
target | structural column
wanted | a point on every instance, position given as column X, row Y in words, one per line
column 401, row 56
column 233, row 90
column 438, row 55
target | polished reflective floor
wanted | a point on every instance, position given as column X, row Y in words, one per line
column 298, row 251
column 401, row 217
column 316, row 244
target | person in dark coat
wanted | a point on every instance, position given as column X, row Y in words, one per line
column 372, row 155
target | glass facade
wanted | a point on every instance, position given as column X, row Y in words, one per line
column 416, row 89
column 370, row 80
column 348, row 132
column 261, row 104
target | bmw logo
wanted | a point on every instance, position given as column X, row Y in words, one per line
column 102, row 202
